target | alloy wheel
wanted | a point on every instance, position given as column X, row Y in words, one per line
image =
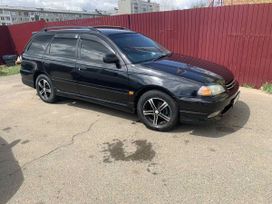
column 44, row 89
column 157, row 111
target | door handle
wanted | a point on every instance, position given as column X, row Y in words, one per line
column 46, row 63
column 82, row 68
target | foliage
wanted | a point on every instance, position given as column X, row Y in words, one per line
column 6, row 71
column 199, row 4
column 248, row 86
column 267, row 87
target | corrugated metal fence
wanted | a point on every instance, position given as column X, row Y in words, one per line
column 239, row 37
column 6, row 45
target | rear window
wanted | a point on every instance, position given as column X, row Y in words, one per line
column 38, row 44
column 63, row 47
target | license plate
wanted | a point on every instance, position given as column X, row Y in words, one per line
column 236, row 98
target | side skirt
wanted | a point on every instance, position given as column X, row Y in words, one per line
column 118, row 106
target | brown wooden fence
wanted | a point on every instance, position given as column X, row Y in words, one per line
column 239, row 37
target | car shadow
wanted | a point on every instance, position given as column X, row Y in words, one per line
column 232, row 121
column 99, row 109
column 11, row 175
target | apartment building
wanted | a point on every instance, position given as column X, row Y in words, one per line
column 137, row 6
column 235, row 2
column 14, row 15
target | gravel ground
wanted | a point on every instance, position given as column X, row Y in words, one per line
column 76, row 152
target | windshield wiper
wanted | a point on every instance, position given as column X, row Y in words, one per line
column 163, row 55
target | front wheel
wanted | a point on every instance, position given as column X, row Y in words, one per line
column 157, row 110
column 45, row 89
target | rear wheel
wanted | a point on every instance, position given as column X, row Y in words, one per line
column 45, row 89
column 157, row 110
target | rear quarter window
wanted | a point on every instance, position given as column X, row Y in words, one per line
column 39, row 44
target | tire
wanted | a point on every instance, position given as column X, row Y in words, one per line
column 157, row 110
column 45, row 89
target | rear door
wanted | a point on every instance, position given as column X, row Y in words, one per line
column 32, row 58
column 97, row 79
column 60, row 61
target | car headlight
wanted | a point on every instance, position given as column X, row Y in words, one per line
column 211, row 90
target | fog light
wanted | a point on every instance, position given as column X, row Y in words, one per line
column 214, row 114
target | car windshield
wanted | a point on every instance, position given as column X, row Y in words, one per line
column 139, row 48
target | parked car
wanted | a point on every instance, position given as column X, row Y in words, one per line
column 126, row 70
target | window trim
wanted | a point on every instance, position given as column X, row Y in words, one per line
column 94, row 38
column 26, row 50
column 63, row 37
column 107, row 43
column 103, row 44
column 124, row 61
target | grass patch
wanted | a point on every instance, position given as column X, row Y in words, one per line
column 267, row 87
column 6, row 71
column 248, row 86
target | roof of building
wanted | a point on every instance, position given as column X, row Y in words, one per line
column 33, row 9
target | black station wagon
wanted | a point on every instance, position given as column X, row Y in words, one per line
column 117, row 67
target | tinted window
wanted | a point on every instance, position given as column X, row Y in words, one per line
column 138, row 48
column 63, row 47
column 39, row 44
column 93, row 51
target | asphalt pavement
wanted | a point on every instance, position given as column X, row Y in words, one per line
column 78, row 152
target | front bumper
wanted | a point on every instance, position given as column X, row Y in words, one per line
column 205, row 109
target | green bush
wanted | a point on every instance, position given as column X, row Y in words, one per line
column 267, row 87
column 6, row 71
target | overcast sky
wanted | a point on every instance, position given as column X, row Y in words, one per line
column 93, row 4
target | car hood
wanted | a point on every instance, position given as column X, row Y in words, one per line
column 192, row 68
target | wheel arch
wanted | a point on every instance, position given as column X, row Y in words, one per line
column 151, row 88
column 35, row 76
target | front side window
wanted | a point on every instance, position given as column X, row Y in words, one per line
column 63, row 47
column 93, row 51
column 138, row 48
column 39, row 43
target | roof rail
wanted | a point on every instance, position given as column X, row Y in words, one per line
column 111, row 27
column 67, row 28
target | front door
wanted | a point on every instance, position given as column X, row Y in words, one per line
column 99, row 80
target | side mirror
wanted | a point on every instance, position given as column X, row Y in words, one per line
column 112, row 59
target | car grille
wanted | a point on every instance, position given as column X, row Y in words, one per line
column 231, row 85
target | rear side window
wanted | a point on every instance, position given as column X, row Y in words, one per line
column 63, row 47
column 93, row 51
column 39, row 43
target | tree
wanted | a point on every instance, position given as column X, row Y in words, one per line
column 199, row 4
